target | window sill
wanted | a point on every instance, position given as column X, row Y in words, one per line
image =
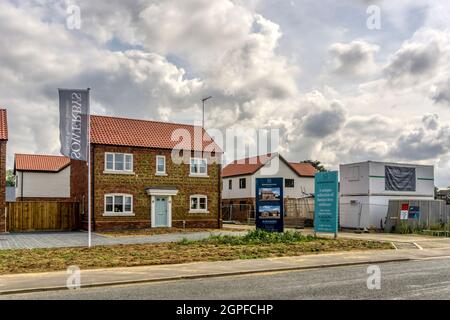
column 198, row 175
column 126, row 173
column 161, row 174
column 121, row 214
column 198, row 211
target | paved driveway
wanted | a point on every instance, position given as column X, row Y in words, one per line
column 79, row 239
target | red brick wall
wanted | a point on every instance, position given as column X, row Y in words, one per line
column 2, row 185
column 144, row 177
column 78, row 183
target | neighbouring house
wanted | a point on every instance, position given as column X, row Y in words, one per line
column 3, row 142
column 138, row 180
column 443, row 194
column 239, row 178
column 42, row 178
column 367, row 187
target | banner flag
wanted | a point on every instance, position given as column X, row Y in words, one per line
column 73, row 124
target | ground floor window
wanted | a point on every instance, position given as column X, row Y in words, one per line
column 118, row 203
column 199, row 203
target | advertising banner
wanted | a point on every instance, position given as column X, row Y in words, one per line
column 326, row 202
column 73, row 123
column 269, row 204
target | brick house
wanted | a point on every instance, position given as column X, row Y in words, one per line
column 3, row 142
column 136, row 183
column 239, row 178
column 42, row 177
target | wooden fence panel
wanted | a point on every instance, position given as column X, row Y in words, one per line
column 43, row 216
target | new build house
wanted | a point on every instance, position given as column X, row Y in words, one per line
column 367, row 187
column 3, row 142
column 137, row 182
column 42, row 177
column 239, row 177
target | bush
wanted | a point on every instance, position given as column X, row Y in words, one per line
column 254, row 237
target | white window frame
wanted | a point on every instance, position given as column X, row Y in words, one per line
column 114, row 170
column 198, row 174
column 161, row 173
column 118, row 214
column 198, row 210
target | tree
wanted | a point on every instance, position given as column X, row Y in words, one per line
column 10, row 178
column 316, row 164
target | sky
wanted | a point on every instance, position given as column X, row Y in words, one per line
column 337, row 89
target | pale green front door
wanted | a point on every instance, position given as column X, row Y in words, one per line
column 161, row 215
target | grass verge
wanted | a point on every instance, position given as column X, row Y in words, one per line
column 158, row 231
column 215, row 248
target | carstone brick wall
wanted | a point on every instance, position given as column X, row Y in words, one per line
column 2, row 185
column 145, row 176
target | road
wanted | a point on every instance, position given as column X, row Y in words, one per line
column 421, row 279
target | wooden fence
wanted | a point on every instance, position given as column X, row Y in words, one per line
column 42, row 216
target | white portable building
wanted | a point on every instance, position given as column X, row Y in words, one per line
column 367, row 187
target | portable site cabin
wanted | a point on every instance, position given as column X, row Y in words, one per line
column 367, row 187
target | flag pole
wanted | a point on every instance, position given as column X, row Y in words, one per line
column 89, row 169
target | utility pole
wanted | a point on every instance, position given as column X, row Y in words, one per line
column 203, row 115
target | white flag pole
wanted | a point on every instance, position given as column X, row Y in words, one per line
column 89, row 169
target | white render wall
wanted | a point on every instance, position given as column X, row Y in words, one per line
column 275, row 168
column 43, row 184
column 364, row 185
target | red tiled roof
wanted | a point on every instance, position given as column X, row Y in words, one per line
column 150, row 134
column 3, row 125
column 251, row 165
column 246, row 166
column 42, row 163
column 303, row 169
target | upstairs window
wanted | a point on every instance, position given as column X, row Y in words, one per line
column 230, row 184
column 289, row 183
column 119, row 162
column 160, row 165
column 242, row 183
column 199, row 167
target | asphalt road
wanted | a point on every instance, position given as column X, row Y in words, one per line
column 424, row 279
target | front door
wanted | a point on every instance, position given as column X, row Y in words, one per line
column 161, row 216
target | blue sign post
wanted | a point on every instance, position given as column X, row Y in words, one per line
column 269, row 204
column 326, row 202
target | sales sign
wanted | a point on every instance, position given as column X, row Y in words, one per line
column 326, row 202
column 269, row 204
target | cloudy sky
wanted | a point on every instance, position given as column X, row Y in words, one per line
column 337, row 90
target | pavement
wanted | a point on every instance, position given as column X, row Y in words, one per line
column 79, row 239
column 418, row 279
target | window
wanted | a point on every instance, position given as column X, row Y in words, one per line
column 242, row 183
column 353, row 174
column 230, row 184
column 289, row 183
column 199, row 167
column 160, row 165
column 117, row 203
column 199, row 203
column 119, row 162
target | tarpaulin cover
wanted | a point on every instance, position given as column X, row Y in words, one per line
column 400, row 178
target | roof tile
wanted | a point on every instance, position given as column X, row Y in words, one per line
column 41, row 163
column 150, row 134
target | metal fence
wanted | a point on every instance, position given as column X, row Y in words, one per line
column 238, row 213
column 433, row 214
